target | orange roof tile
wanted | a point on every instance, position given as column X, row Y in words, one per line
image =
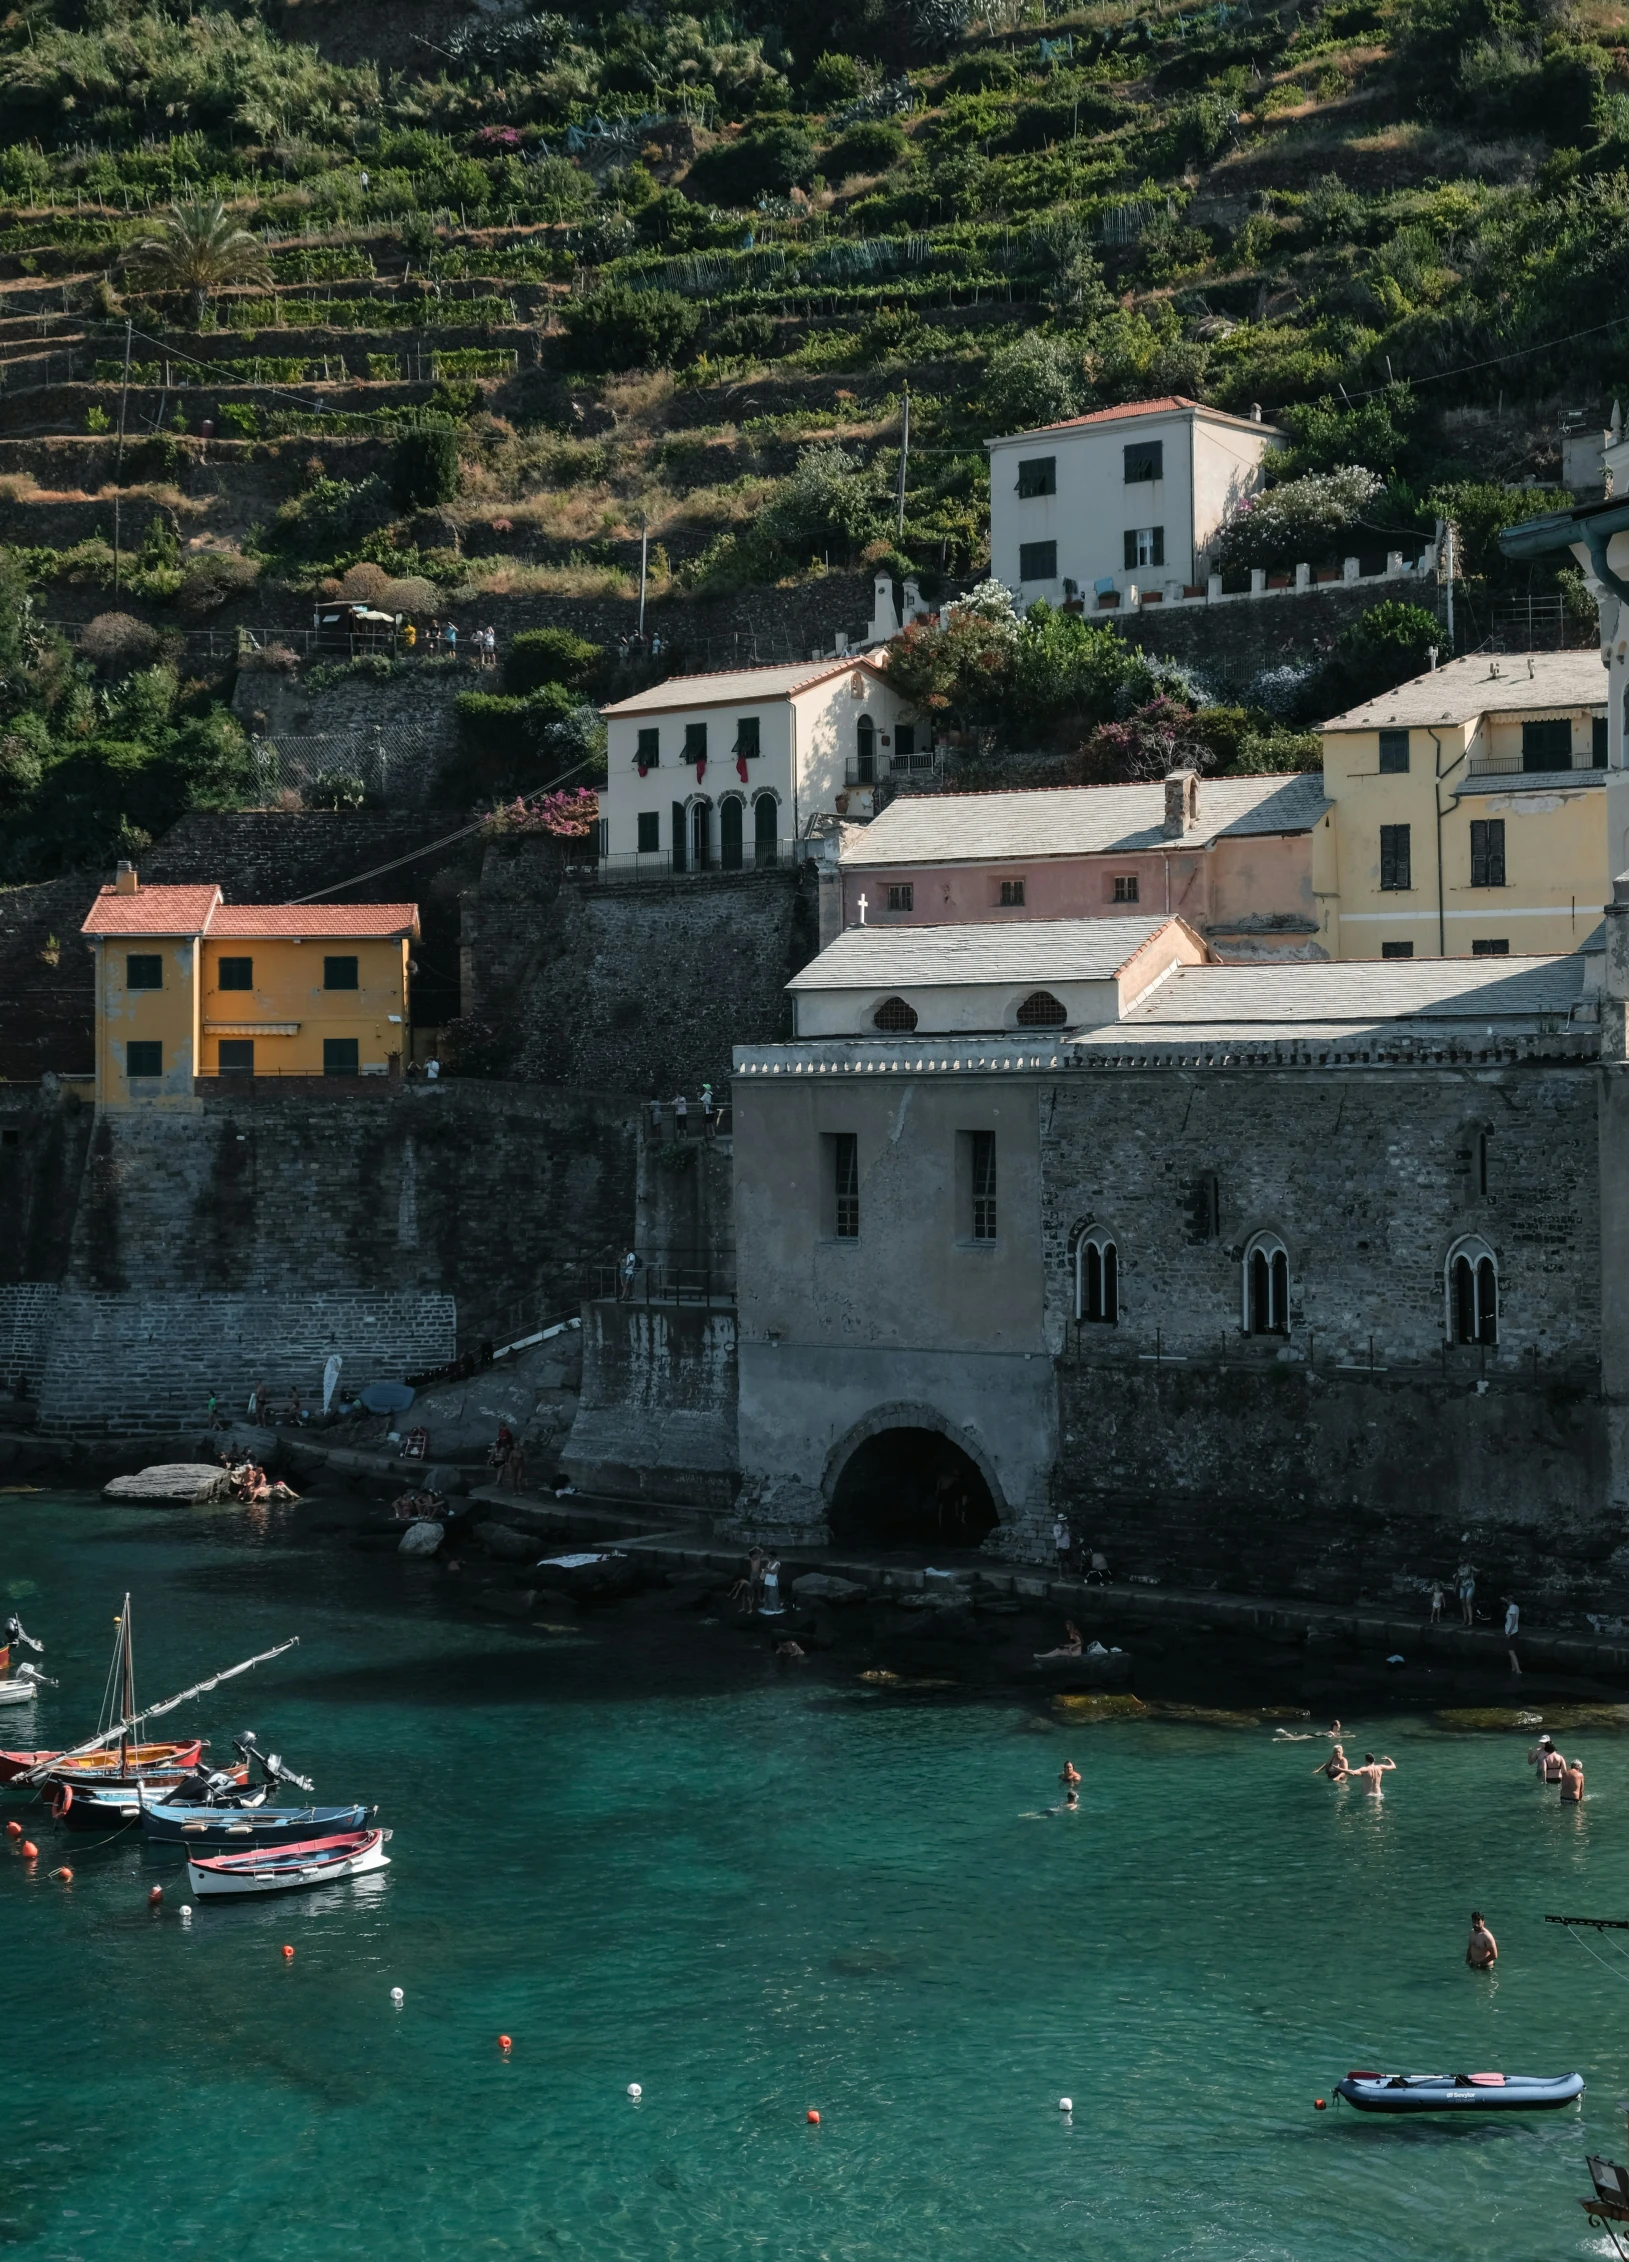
column 315, row 921
column 152, row 911
column 1167, row 404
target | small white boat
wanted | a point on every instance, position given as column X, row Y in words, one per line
column 289, row 1869
column 23, row 1686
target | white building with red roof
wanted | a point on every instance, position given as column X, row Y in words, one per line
column 724, row 771
column 1125, row 500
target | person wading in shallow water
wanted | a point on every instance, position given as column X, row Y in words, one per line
column 1368, row 1774
column 1334, row 1766
column 1482, row 1952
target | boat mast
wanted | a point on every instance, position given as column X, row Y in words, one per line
column 129, row 1705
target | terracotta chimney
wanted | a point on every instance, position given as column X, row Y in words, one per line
column 1181, row 803
column 126, row 883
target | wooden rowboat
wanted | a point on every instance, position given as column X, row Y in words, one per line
column 101, row 1765
column 289, row 1869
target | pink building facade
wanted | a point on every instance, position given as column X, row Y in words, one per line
column 1230, row 856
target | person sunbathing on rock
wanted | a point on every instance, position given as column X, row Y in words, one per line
column 1072, row 1645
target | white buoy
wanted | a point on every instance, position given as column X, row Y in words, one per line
column 186, row 1915
column 634, row 2091
column 1066, row 2104
column 396, row 1995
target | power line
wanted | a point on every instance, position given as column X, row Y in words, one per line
column 1493, row 361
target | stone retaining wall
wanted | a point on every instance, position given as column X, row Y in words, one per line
column 657, row 1415
column 141, row 1364
column 28, row 1311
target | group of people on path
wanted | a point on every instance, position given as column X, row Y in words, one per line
column 680, row 1105
column 758, row 1589
column 442, row 636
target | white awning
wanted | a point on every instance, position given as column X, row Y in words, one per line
column 251, row 1028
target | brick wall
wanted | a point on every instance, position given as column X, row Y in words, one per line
column 144, row 1363
column 44, row 1139
column 28, row 1311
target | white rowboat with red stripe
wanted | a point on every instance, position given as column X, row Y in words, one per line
column 289, row 1869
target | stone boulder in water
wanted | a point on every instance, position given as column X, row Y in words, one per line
column 190, row 1484
column 420, row 1539
column 505, row 1545
column 824, row 1586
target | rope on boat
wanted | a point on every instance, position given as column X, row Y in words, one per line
column 1588, row 1950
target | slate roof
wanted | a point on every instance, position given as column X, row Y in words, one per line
column 1035, row 950
column 1464, row 689
column 1076, row 820
column 737, row 686
column 1294, row 996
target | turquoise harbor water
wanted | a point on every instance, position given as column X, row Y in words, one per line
column 754, row 1894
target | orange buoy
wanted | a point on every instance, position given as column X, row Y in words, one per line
column 31, row 1852
column 1318, row 2104
column 814, row 2117
column 155, row 1896
column 288, row 1952
column 14, row 1829
column 503, row 2042
column 66, row 1875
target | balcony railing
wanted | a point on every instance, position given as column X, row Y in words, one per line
column 1517, row 765
column 662, row 864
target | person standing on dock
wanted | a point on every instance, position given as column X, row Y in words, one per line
column 1482, row 1950
column 1465, row 1578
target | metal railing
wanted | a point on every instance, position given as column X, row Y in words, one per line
column 703, row 1280
column 663, row 865
column 1518, row 765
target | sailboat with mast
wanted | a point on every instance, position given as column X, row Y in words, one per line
column 110, row 1769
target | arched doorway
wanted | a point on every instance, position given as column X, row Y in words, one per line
column 911, row 1488
column 729, row 833
column 765, row 828
column 701, row 836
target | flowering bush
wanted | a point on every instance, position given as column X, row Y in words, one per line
column 1294, row 524
column 570, row 814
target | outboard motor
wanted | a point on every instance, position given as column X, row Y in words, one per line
column 13, row 1635
column 270, row 1764
column 207, row 1786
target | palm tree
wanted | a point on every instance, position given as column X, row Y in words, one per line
column 200, row 248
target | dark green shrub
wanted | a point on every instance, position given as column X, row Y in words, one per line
column 768, row 161
column 979, row 74
column 504, row 743
column 212, row 579
column 622, row 329
column 744, row 334
column 832, row 79
column 870, row 145
column 547, row 655
column 424, row 467
column 1382, row 648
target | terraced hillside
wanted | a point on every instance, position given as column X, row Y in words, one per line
column 459, row 311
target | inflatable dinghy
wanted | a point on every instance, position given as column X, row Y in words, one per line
column 1459, row 2093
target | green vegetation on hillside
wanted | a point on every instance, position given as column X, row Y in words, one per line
column 474, row 316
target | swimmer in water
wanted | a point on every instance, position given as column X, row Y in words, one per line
column 1334, row 1766
column 1549, row 1762
column 1071, row 1801
column 1482, row 1952
column 1572, row 1784
column 1368, row 1774
column 1070, row 1775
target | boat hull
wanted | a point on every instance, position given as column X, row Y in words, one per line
column 18, row 1692
column 1449, row 2093
column 105, row 1804
column 140, row 1758
column 233, row 1829
column 289, row 1869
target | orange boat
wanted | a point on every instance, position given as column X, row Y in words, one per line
column 100, row 1766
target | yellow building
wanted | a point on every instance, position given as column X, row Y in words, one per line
column 1469, row 812
column 188, row 986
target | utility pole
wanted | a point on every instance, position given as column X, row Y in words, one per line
column 644, row 548
column 1448, row 563
column 904, row 459
column 118, row 462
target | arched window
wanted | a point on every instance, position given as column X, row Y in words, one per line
column 765, row 828
column 1097, row 1279
column 866, row 739
column 1266, row 1286
column 701, row 835
column 1041, row 1010
column 729, row 833
column 1472, row 1283
column 894, row 1016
